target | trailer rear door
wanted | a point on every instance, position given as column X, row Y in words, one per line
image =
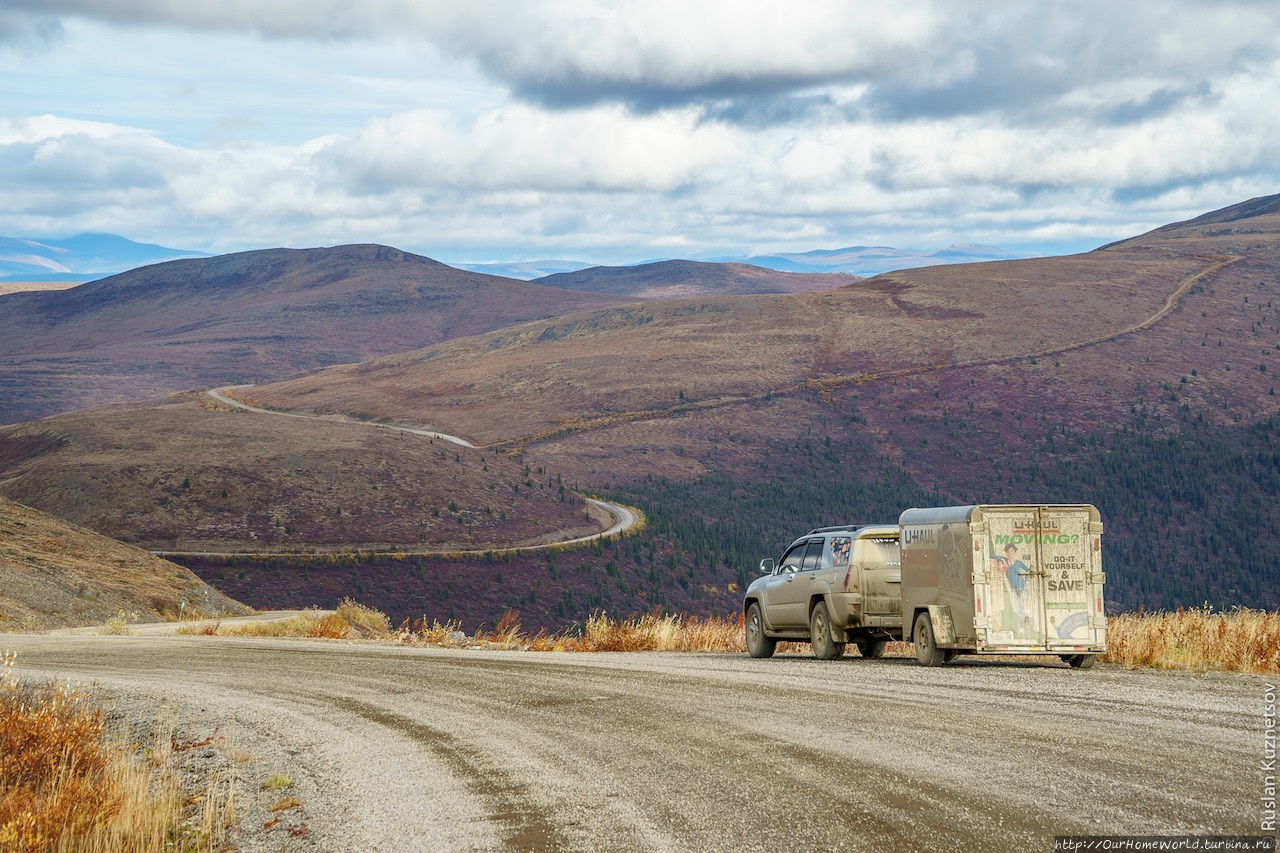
column 1067, row 563
column 1040, row 575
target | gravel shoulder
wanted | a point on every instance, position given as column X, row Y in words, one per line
column 393, row 747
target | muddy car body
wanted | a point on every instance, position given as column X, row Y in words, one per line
column 832, row 586
column 981, row 579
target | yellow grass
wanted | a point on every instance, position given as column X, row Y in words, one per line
column 350, row 620
column 1238, row 640
column 65, row 786
column 651, row 632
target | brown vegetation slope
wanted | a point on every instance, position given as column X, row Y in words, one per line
column 680, row 356
column 183, row 476
column 1002, row 381
column 1140, row 377
column 243, row 317
column 675, row 279
column 54, row 575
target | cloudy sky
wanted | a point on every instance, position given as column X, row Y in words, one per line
column 618, row 131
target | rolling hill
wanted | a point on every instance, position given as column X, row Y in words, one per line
column 678, row 357
column 55, row 575
column 675, row 279
column 1139, row 376
column 244, row 317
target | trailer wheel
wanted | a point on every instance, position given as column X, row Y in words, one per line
column 872, row 648
column 758, row 645
column 927, row 651
column 1081, row 661
column 824, row 647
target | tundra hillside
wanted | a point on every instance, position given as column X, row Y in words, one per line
column 56, row 575
column 1139, row 377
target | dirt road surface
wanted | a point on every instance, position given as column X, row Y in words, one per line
column 399, row 748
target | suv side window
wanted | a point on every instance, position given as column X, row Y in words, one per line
column 791, row 562
column 840, row 547
column 813, row 555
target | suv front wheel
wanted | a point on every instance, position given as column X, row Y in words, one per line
column 758, row 645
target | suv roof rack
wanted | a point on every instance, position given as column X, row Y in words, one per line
column 836, row 528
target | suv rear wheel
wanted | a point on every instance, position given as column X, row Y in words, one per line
column 824, row 647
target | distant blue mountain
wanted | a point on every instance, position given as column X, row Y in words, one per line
column 86, row 257
column 859, row 260
column 80, row 258
column 526, row 270
column 873, row 260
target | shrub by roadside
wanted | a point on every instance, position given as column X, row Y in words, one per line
column 1238, row 640
column 66, row 785
column 651, row 632
column 350, row 620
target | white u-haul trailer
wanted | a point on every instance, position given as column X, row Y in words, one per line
column 1003, row 579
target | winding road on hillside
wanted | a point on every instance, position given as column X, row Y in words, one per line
column 409, row 748
column 221, row 395
column 624, row 518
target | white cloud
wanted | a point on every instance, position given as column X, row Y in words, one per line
column 632, row 129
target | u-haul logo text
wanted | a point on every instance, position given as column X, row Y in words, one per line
column 912, row 535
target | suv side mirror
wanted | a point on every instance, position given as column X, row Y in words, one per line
column 768, row 566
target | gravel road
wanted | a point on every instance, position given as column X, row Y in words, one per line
column 220, row 395
column 400, row 748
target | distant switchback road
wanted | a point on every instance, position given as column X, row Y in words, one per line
column 397, row 748
column 221, row 395
column 624, row 518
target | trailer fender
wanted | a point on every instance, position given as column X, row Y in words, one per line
column 944, row 629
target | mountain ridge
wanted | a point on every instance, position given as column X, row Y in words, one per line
column 247, row 316
column 735, row 421
column 54, row 574
column 682, row 278
column 82, row 257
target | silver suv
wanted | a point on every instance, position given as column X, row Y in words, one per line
column 833, row 586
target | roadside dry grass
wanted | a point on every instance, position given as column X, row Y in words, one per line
column 651, row 632
column 1238, row 640
column 1234, row 641
column 351, row 620
column 65, row 785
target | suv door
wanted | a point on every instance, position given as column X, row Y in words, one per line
column 785, row 596
column 806, row 580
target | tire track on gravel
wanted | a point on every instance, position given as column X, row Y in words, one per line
column 528, row 826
